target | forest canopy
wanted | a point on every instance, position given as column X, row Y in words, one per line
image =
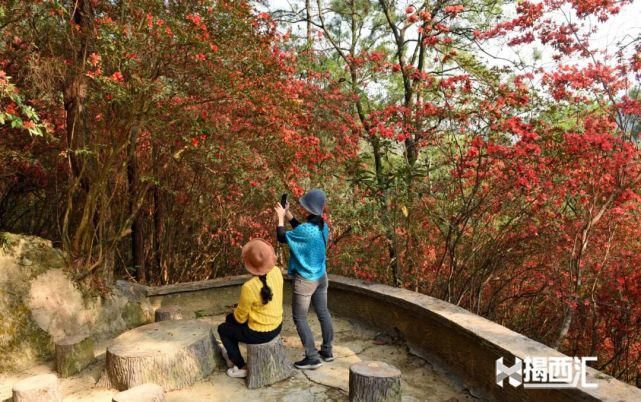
column 150, row 139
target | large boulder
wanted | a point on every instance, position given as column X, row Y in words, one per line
column 22, row 259
column 41, row 304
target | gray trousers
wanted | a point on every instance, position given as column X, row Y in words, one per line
column 314, row 292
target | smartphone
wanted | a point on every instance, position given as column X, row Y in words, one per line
column 283, row 200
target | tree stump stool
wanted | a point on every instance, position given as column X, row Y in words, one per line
column 371, row 381
column 141, row 393
column 73, row 354
column 168, row 313
column 267, row 363
column 172, row 354
column 39, row 388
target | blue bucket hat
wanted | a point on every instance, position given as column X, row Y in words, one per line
column 313, row 201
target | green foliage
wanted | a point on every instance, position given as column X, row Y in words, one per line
column 15, row 112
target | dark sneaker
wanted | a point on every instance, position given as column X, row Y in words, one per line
column 308, row 364
column 326, row 356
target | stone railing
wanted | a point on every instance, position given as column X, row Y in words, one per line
column 463, row 344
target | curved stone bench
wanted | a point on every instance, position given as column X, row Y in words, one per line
column 464, row 344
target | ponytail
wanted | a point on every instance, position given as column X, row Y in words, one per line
column 265, row 292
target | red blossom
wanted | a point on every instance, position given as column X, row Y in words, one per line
column 94, row 59
column 454, row 9
column 117, row 77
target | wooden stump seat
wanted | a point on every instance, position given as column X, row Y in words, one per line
column 39, row 388
column 141, row 393
column 73, row 354
column 172, row 354
column 267, row 363
column 168, row 313
column 372, row 381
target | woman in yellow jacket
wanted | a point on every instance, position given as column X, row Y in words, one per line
column 258, row 318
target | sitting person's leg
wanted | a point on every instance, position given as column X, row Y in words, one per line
column 252, row 337
column 230, row 334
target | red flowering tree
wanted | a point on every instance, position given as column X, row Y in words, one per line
column 512, row 191
column 173, row 128
column 151, row 138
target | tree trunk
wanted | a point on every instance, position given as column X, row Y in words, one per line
column 158, row 218
column 137, row 235
column 73, row 354
column 168, row 313
column 267, row 363
column 568, row 315
column 77, row 136
column 172, row 354
column 40, row 388
column 371, row 381
column 308, row 15
column 75, row 91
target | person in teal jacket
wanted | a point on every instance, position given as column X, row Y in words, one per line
column 308, row 268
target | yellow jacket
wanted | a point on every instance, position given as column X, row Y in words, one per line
column 262, row 317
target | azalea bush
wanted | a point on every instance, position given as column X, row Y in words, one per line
column 172, row 127
column 508, row 187
column 151, row 139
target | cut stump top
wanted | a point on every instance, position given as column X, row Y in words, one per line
column 71, row 340
column 163, row 337
column 142, row 393
column 375, row 369
column 36, row 382
column 169, row 309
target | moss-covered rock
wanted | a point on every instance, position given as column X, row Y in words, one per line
column 40, row 304
column 136, row 313
column 22, row 259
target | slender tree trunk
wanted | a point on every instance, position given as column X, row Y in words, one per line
column 308, row 12
column 137, row 235
column 75, row 91
column 157, row 237
column 158, row 222
column 74, row 95
column 568, row 315
column 347, row 56
column 575, row 269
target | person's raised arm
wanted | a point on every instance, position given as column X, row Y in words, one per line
column 280, row 217
column 290, row 217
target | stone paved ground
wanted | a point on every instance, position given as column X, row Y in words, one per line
column 353, row 342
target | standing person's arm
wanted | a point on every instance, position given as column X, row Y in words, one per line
column 290, row 217
column 280, row 217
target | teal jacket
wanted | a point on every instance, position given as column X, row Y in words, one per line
column 307, row 246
